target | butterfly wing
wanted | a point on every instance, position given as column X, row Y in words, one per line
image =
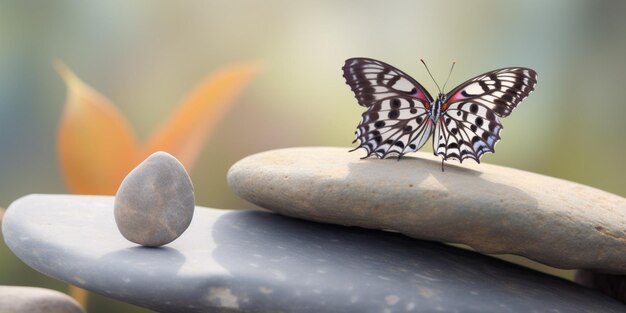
column 471, row 124
column 396, row 120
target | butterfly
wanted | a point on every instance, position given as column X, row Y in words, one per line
column 401, row 115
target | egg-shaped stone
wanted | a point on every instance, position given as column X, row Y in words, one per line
column 154, row 204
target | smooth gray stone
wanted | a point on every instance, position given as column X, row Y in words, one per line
column 252, row 261
column 493, row 209
column 155, row 202
column 36, row 300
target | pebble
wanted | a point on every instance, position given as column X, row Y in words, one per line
column 36, row 300
column 493, row 209
column 154, row 204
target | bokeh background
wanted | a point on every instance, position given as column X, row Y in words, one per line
column 145, row 56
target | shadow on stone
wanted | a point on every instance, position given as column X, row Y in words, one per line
column 612, row 285
column 148, row 263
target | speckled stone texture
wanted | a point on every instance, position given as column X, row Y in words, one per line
column 36, row 300
column 155, row 202
column 493, row 209
column 251, row 261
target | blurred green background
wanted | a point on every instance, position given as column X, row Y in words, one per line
column 145, row 56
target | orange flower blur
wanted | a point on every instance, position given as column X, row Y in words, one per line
column 97, row 147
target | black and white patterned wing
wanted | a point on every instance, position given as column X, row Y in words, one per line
column 470, row 124
column 396, row 120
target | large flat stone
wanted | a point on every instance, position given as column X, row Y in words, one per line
column 251, row 261
column 493, row 209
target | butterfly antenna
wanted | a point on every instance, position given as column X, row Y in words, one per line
column 449, row 74
column 431, row 75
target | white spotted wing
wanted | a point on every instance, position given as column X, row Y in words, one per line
column 470, row 124
column 396, row 120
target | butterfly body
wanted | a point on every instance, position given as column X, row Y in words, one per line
column 401, row 115
column 435, row 112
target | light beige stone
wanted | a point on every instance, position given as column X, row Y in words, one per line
column 36, row 300
column 493, row 209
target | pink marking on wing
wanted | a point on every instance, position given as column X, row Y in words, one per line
column 456, row 97
column 421, row 96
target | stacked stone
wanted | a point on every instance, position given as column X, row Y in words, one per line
column 341, row 241
column 493, row 209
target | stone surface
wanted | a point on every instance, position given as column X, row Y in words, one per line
column 493, row 209
column 155, row 202
column 36, row 300
column 251, row 261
